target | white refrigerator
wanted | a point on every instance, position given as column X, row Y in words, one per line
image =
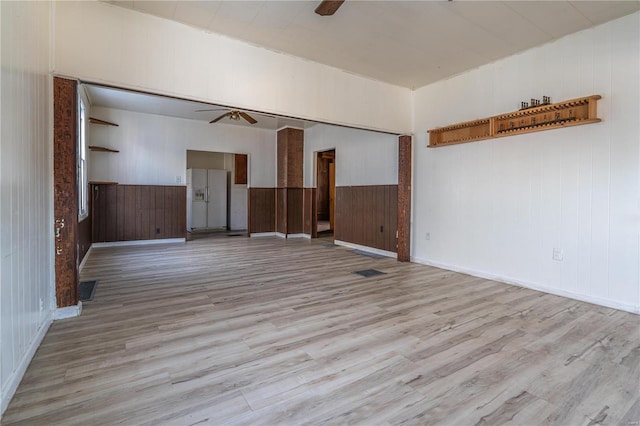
column 207, row 190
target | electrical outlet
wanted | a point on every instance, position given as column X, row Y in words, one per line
column 41, row 305
column 178, row 179
column 157, row 230
column 558, row 254
column 427, row 236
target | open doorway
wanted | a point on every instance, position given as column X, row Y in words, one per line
column 326, row 191
column 216, row 193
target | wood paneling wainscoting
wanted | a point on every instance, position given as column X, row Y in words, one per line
column 262, row 210
column 289, row 211
column 84, row 237
column 367, row 215
column 309, row 218
column 138, row 212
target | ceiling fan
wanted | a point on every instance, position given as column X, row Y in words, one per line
column 233, row 114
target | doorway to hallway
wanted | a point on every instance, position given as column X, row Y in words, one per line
column 326, row 191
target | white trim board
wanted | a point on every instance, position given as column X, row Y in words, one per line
column 67, row 312
column 16, row 376
column 262, row 234
column 538, row 287
column 139, row 242
column 84, row 260
column 366, row 248
column 298, row 236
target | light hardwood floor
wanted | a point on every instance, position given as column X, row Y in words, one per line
column 282, row 332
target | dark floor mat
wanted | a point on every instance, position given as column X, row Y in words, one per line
column 87, row 289
column 236, row 235
column 369, row 273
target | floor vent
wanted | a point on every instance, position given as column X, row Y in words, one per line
column 87, row 289
column 369, row 273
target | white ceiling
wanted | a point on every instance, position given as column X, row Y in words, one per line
column 109, row 97
column 407, row 43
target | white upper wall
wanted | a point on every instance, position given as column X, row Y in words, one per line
column 26, row 191
column 499, row 207
column 362, row 157
column 153, row 148
column 98, row 42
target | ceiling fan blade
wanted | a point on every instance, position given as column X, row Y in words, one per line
column 215, row 120
column 247, row 117
column 328, row 7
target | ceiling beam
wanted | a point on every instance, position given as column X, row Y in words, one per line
column 328, row 7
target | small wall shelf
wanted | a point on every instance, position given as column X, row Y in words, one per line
column 574, row 112
column 94, row 120
column 101, row 149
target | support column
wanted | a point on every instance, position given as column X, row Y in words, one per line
column 289, row 194
column 404, row 198
column 65, row 196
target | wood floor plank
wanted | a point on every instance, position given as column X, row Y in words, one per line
column 281, row 331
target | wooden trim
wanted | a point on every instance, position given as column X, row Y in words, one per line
column 101, row 149
column 574, row 112
column 94, row 120
column 404, row 198
column 65, row 183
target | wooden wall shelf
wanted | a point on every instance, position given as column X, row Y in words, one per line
column 101, row 149
column 94, row 120
column 574, row 112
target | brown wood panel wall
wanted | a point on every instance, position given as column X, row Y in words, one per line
column 367, row 215
column 295, row 214
column 281, row 210
column 84, row 237
column 310, row 220
column 65, row 191
column 138, row 212
column 404, row 198
column 262, row 210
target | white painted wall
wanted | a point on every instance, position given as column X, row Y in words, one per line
column 153, row 148
column 98, row 42
column 26, row 204
column 362, row 157
column 499, row 207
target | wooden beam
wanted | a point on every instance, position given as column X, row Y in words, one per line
column 65, row 183
column 328, row 7
column 404, row 199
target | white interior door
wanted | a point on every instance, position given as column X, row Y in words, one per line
column 217, row 205
column 198, row 198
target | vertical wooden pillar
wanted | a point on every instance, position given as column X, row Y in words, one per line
column 404, row 199
column 65, row 183
column 289, row 194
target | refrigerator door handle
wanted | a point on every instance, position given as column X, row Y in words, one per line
column 207, row 199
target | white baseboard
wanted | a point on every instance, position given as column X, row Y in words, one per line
column 67, row 312
column 139, row 242
column 634, row 309
column 298, row 236
column 366, row 248
column 84, row 260
column 280, row 235
column 15, row 377
column 262, row 234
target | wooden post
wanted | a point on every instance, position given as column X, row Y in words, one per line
column 65, row 183
column 404, row 198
